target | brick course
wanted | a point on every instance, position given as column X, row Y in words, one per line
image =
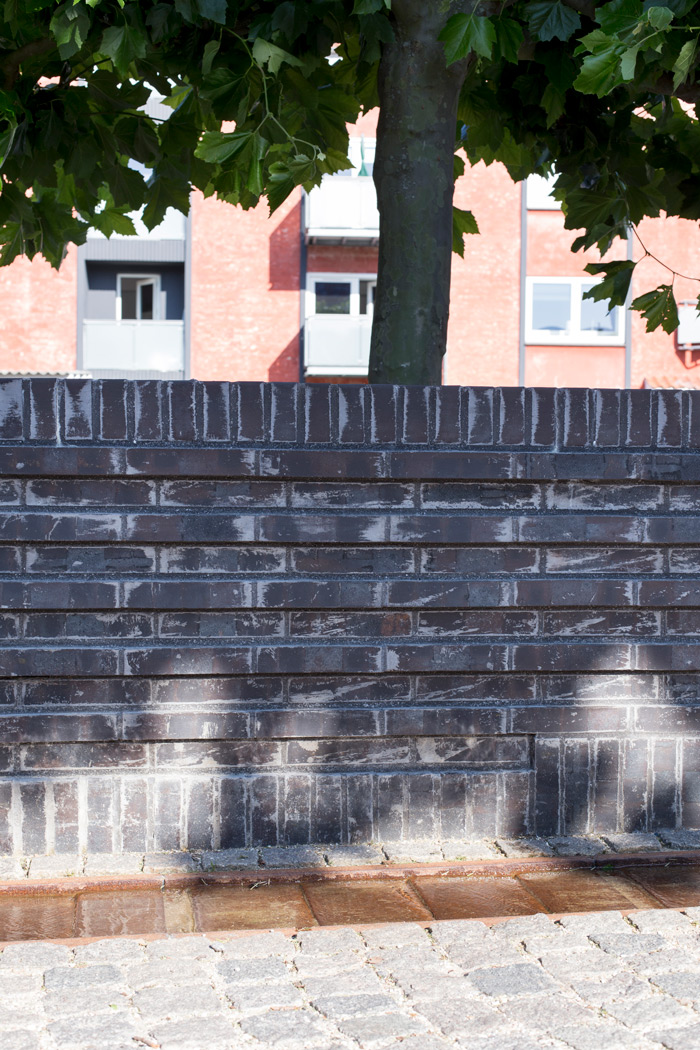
column 250, row 614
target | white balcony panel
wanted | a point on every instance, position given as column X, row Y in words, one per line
column 131, row 346
column 343, row 207
column 688, row 332
column 335, row 346
column 172, row 228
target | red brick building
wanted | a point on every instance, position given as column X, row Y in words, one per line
column 227, row 294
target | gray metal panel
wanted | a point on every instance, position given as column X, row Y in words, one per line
column 134, row 250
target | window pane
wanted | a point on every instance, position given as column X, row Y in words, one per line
column 332, row 297
column 128, row 298
column 551, row 307
column 595, row 317
column 146, row 291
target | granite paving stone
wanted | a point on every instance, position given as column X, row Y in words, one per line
column 682, row 986
column 183, row 1035
column 678, row 1038
column 20, row 1040
column 634, row 842
column 655, row 1011
column 518, row 979
column 255, row 997
column 532, row 983
column 293, row 1029
column 230, row 859
column 11, row 869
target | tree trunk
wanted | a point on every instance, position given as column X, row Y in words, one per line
column 413, row 173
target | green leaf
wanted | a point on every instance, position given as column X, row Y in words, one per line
column 553, row 103
column 466, row 33
column 552, row 20
column 164, row 194
column 628, row 63
column 659, row 17
column 123, row 44
column 110, row 221
column 70, row 26
column 619, row 17
column 615, row 286
column 684, row 62
column 463, row 222
column 509, row 37
column 659, row 308
column 370, row 7
column 600, row 71
column 216, row 147
column 272, row 56
column 209, row 54
column 214, row 10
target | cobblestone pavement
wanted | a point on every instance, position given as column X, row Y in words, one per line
column 592, row 982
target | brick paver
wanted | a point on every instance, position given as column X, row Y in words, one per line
column 592, row 981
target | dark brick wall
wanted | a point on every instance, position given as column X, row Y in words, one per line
column 260, row 613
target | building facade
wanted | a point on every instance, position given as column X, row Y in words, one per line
column 228, row 294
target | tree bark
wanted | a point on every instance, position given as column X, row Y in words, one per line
column 413, row 173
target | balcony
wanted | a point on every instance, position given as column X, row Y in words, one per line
column 134, row 349
column 343, row 210
column 336, row 345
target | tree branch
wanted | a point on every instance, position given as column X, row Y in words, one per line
column 11, row 63
column 685, row 92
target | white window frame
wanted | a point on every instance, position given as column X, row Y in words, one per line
column 353, row 279
column 355, row 156
column 575, row 337
column 145, row 278
column 538, row 193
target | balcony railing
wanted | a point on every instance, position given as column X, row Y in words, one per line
column 343, row 210
column 136, row 349
column 336, row 345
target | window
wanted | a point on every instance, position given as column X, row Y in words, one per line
column 138, row 297
column 538, row 193
column 556, row 313
column 361, row 152
column 351, row 295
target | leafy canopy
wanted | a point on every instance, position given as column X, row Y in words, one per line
column 601, row 94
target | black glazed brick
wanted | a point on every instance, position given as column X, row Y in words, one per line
column 572, row 417
column 113, row 410
column 148, row 410
column 543, row 429
column 216, row 412
column 33, row 805
column 447, row 428
column 511, row 416
column 77, row 408
column 477, row 416
column 43, row 409
column 319, row 399
column 669, row 418
column 11, row 414
column 182, row 410
column 284, row 412
column 415, row 415
column 383, row 414
column 232, row 812
column 352, row 414
column 638, row 404
column 249, row 399
column 605, row 412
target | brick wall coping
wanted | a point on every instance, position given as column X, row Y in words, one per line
column 143, row 412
